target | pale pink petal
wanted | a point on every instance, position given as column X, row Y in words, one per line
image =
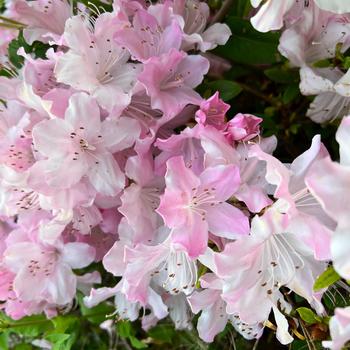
column 223, row 180
column 78, row 255
column 227, row 221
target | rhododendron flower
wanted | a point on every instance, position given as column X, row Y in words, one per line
column 194, row 205
column 193, row 16
column 110, row 155
column 243, row 127
column 45, row 19
column 339, row 328
column 337, row 6
column 44, row 272
column 82, row 145
column 271, row 14
column 212, row 112
column 256, row 266
column 146, row 38
column 141, row 198
column 213, row 318
column 295, row 199
column 315, row 36
column 170, row 78
column 329, row 183
column 95, row 63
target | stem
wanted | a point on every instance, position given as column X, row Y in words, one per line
column 259, row 94
column 221, row 14
column 10, row 26
column 9, row 20
column 256, row 344
column 5, row 325
column 22, row 324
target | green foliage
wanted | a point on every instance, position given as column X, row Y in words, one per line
column 326, row 279
column 125, row 330
column 38, row 49
column 248, row 46
column 227, row 89
column 308, row 315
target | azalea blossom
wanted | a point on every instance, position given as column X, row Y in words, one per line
column 192, row 205
column 339, row 328
column 95, row 63
column 170, row 78
column 84, row 145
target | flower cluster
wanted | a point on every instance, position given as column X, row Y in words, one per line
column 109, row 155
column 315, row 34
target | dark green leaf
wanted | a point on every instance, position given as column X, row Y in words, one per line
column 227, row 89
column 291, row 93
column 281, row 75
column 163, row 333
column 248, row 46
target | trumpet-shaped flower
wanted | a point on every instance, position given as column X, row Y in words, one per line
column 81, row 145
column 194, row 205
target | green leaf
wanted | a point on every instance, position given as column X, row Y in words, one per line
column 23, row 347
column 326, row 279
column 227, row 89
column 37, row 48
column 124, row 329
column 64, row 323
column 249, row 46
column 59, row 341
column 281, row 75
column 163, row 333
column 4, row 341
column 30, row 326
column 97, row 314
column 241, row 8
column 137, row 344
column 322, row 63
column 308, row 315
column 291, row 93
column 346, row 63
column 14, row 45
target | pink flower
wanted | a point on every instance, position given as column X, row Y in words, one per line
column 44, row 272
column 294, row 198
column 194, row 205
column 141, row 198
column 314, row 36
column 336, row 6
column 45, row 19
column 95, row 64
column 170, row 78
column 329, row 183
column 272, row 13
column 82, row 145
column 255, row 267
column 193, row 16
column 243, row 127
column 212, row 112
column 165, row 264
column 146, row 38
column 213, row 318
column 339, row 326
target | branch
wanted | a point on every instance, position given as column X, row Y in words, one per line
column 221, row 14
